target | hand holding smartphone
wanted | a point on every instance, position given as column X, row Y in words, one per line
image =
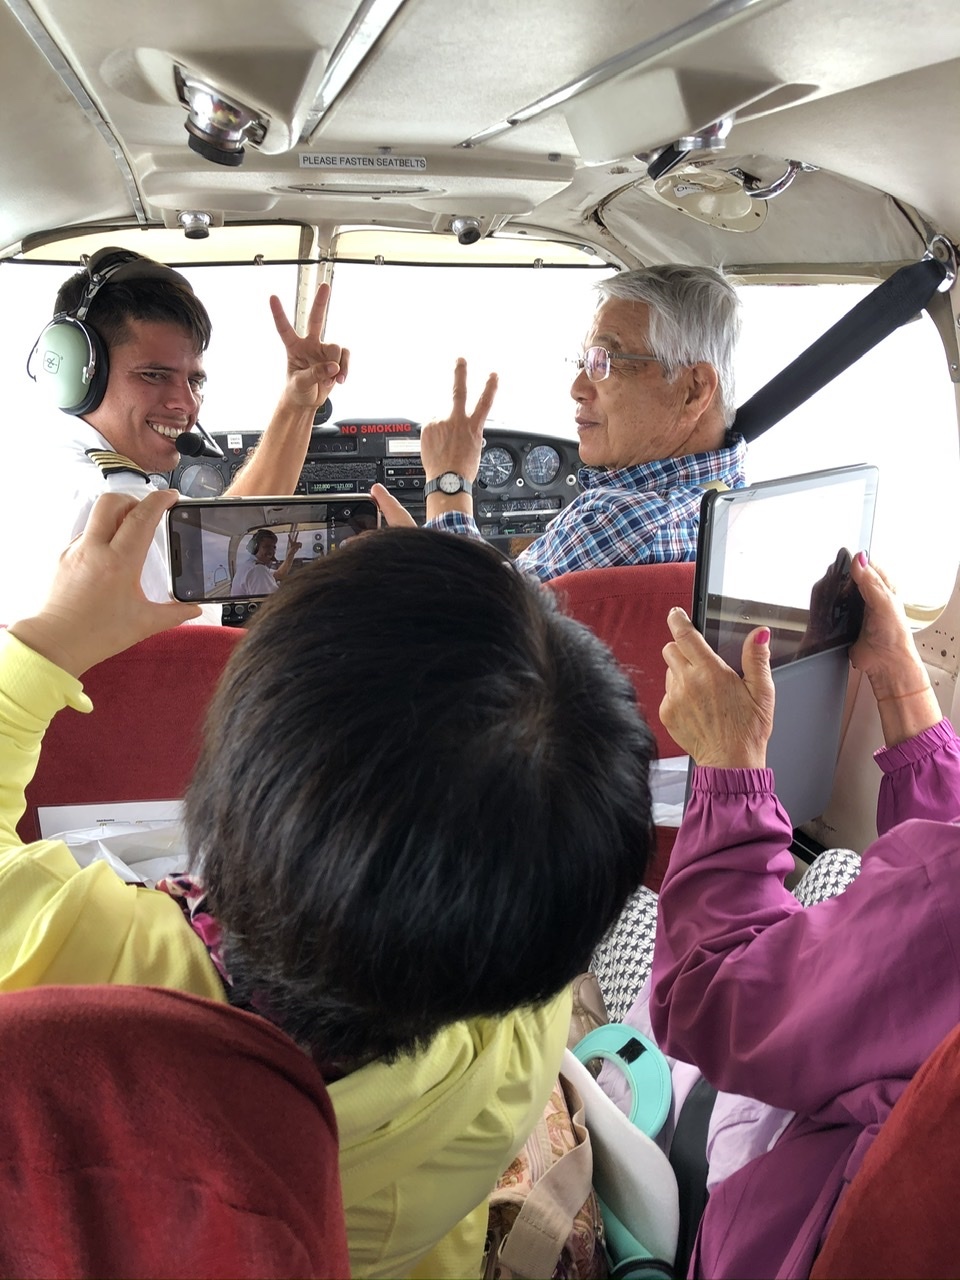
column 238, row 549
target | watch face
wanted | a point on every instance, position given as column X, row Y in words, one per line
column 450, row 482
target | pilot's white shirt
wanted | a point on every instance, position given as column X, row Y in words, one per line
column 63, row 508
column 254, row 579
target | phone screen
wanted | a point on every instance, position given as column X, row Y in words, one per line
column 778, row 554
column 245, row 548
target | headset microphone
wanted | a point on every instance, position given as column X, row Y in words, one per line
column 197, row 444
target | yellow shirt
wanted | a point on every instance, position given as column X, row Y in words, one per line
column 422, row 1140
column 60, row 923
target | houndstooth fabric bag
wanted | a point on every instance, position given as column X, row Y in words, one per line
column 624, row 958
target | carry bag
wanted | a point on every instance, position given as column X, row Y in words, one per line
column 544, row 1218
column 635, row 1185
column 589, row 1010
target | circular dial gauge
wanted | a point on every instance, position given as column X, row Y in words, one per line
column 201, row 481
column 542, row 464
column 496, row 466
column 159, row 481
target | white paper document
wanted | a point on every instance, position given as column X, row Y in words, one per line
column 668, row 783
column 140, row 849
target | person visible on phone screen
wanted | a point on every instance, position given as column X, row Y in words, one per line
column 262, row 575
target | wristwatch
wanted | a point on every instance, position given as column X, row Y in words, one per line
column 448, row 482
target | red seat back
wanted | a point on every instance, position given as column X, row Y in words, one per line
column 142, row 738
column 627, row 608
column 146, row 1132
column 899, row 1217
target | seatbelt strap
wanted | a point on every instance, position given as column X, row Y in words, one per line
column 901, row 297
column 688, row 1156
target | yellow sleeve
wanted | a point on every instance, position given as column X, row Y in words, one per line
column 424, row 1139
column 32, row 691
column 460, row 1252
column 62, row 924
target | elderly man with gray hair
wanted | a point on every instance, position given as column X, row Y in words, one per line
column 654, row 407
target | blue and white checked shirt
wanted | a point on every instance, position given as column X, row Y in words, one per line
column 633, row 515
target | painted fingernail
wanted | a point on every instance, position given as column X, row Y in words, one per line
column 862, row 559
column 762, row 636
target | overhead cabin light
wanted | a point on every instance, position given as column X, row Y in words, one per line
column 728, row 198
column 714, row 196
column 467, row 230
column 195, row 223
column 217, row 126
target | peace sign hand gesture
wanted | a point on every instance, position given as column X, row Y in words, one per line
column 456, row 443
column 313, row 367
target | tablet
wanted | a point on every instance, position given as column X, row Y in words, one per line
column 778, row 554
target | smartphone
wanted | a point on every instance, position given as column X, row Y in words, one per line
column 224, row 549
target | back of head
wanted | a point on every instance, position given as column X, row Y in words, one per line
column 694, row 316
column 422, row 796
column 137, row 288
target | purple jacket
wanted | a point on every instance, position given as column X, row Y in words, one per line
column 827, row 1011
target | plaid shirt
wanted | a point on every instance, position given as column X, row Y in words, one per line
column 633, row 515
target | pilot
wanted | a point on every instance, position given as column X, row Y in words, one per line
column 654, row 408
column 155, row 330
column 261, row 575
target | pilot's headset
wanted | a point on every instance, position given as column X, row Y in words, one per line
column 69, row 360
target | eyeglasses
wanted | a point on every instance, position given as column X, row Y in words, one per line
column 596, row 361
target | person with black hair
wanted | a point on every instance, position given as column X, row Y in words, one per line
column 149, row 331
column 421, row 801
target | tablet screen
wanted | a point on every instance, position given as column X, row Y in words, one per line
column 778, row 554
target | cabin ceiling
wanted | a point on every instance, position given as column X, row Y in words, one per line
column 866, row 92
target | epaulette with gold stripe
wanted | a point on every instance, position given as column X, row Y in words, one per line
column 112, row 464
